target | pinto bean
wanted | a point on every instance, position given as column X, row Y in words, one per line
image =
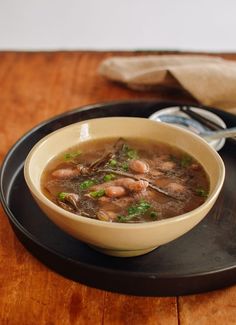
column 139, row 166
column 124, row 181
column 104, row 200
column 195, row 167
column 176, row 187
column 132, row 185
column 138, row 186
column 166, row 165
column 115, row 191
column 65, row 173
column 148, row 195
column 102, row 186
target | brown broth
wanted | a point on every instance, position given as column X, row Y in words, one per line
column 90, row 191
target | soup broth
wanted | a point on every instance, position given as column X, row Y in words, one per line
column 125, row 180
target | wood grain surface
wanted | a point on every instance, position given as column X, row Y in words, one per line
column 37, row 86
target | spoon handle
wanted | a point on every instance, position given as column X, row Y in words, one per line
column 200, row 118
column 212, row 135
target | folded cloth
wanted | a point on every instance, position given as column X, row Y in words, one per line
column 210, row 80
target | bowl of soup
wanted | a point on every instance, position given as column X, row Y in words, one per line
column 124, row 185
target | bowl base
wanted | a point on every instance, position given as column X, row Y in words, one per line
column 123, row 253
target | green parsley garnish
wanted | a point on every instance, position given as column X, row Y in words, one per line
column 112, row 163
column 109, row 177
column 131, row 153
column 140, row 208
column 97, row 194
column 121, row 218
column 153, row 215
column 61, row 196
column 136, row 210
column 185, row 161
column 201, row 192
column 125, row 166
column 86, row 184
column 173, row 158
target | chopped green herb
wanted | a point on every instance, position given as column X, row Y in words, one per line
column 186, row 161
column 121, row 218
column 139, row 208
column 86, row 184
column 71, row 155
column 131, row 153
column 125, row 166
column 173, row 158
column 61, row 196
column 134, row 211
column 113, row 163
column 201, row 192
column 97, row 194
column 109, row 177
column 153, row 215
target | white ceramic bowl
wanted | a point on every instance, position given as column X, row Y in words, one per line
column 121, row 239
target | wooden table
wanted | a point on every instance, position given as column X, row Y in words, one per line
column 37, row 86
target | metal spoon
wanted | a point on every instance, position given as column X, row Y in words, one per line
column 213, row 135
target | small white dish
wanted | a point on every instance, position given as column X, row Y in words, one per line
column 216, row 144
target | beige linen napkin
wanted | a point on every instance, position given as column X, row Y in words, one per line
column 211, row 80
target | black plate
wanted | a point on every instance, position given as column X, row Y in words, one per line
column 204, row 259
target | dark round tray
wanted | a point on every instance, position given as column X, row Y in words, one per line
column 204, row 259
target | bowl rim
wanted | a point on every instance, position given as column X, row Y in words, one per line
column 72, row 216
